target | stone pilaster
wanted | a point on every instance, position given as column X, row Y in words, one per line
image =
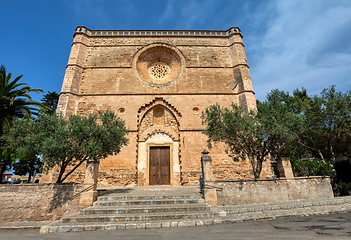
column 68, row 101
column 209, row 193
column 90, row 181
column 284, row 168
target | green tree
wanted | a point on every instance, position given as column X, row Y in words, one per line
column 27, row 164
column 286, row 125
column 7, row 157
column 312, row 167
column 15, row 101
column 250, row 135
column 282, row 120
column 23, row 139
column 328, row 119
column 68, row 143
column 327, row 129
column 51, row 100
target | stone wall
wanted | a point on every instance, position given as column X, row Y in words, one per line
column 116, row 70
column 271, row 190
column 38, row 202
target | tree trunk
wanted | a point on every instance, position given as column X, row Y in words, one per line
column 256, row 166
column 62, row 170
column 29, row 177
column 75, row 167
column 2, row 172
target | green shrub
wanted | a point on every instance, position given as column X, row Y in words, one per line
column 344, row 188
column 312, row 167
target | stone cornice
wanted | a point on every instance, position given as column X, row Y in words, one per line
column 151, row 94
column 157, row 33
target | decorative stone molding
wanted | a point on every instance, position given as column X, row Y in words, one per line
column 148, row 33
column 157, row 101
column 158, row 119
column 158, row 64
column 167, row 130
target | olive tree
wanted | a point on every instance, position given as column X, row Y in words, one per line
column 68, row 143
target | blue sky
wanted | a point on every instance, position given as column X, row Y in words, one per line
column 289, row 43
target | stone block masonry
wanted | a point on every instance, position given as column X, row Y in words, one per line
column 158, row 82
column 235, row 192
column 37, row 202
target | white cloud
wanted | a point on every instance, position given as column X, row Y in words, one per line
column 194, row 13
column 89, row 12
column 306, row 44
column 168, row 13
column 102, row 14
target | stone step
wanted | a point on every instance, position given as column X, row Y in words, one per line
column 96, row 226
column 145, row 209
column 135, row 217
column 118, row 197
column 148, row 202
column 263, row 211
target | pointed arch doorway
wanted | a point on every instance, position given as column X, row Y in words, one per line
column 158, row 161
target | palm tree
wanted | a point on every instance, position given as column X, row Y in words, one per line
column 15, row 100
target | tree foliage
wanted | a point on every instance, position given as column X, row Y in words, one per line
column 327, row 133
column 312, row 167
column 15, row 101
column 27, row 164
column 51, row 100
column 68, row 143
column 248, row 135
column 7, row 157
column 286, row 125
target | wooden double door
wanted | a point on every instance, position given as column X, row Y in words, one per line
column 159, row 171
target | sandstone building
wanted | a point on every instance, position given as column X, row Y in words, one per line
column 159, row 82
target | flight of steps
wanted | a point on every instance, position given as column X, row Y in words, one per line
column 141, row 208
column 165, row 206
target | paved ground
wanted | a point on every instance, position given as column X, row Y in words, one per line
column 336, row 226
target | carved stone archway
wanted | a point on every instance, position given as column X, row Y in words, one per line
column 158, row 126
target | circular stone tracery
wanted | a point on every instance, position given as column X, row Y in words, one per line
column 158, row 64
column 159, row 70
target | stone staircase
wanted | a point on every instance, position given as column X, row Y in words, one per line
column 165, row 206
column 147, row 207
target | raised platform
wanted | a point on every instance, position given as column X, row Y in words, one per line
column 165, row 206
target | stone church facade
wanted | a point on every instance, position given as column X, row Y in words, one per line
column 159, row 82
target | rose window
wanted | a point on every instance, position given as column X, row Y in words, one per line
column 158, row 64
column 159, row 70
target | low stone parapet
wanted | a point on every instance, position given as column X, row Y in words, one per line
column 38, row 202
column 234, row 192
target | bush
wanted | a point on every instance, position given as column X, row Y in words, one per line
column 312, row 167
column 344, row 188
column 343, row 171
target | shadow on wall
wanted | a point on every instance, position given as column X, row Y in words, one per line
column 62, row 194
column 38, row 202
